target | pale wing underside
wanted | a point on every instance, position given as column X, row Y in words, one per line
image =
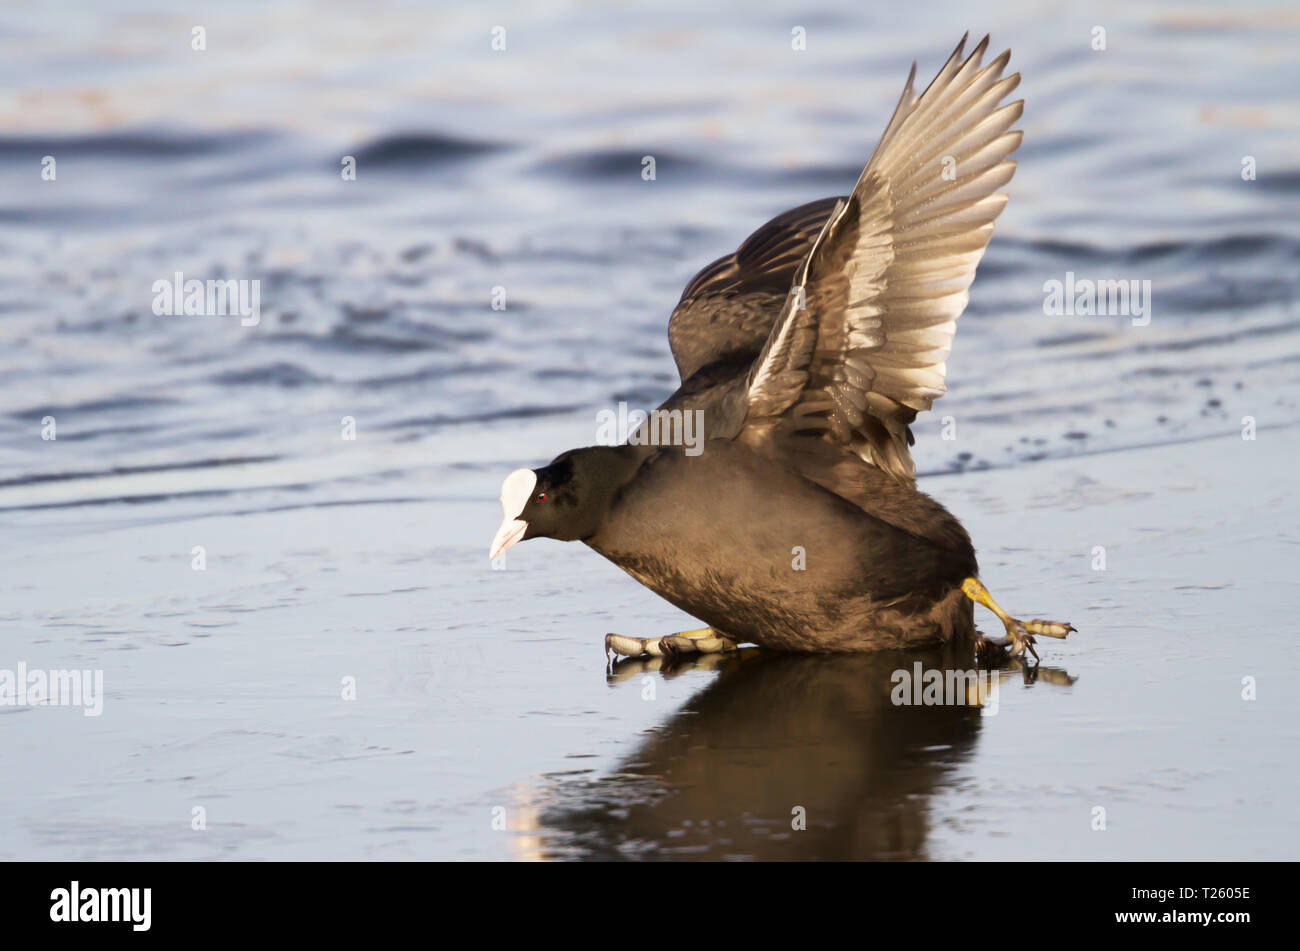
column 861, row 343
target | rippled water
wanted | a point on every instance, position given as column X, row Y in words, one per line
column 520, row 170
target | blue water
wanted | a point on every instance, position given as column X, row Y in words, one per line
column 520, row 170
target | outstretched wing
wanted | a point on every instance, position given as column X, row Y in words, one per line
column 731, row 305
column 862, row 340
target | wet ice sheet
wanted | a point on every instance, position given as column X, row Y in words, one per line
column 479, row 689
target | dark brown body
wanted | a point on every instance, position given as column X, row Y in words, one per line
column 784, row 561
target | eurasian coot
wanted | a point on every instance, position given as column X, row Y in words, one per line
column 795, row 522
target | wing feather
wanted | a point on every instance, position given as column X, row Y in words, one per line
column 730, row 306
column 862, row 339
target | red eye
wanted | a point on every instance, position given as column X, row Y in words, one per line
column 541, row 496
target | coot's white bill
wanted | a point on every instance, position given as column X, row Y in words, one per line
column 515, row 493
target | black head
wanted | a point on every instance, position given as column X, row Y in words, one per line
column 566, row 500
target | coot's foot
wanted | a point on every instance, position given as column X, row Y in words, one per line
column 1020, row 634
column 703, row 641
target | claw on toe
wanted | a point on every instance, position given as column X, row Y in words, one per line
column 1021, row 639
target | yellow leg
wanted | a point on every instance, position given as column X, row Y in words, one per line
column 1021, row 632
